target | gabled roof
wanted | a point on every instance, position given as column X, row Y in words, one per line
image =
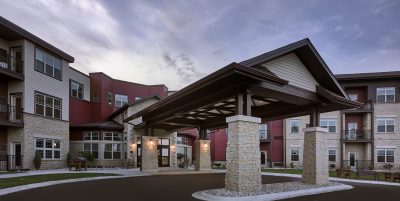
column 11, row 31
column 307, row 53
column 368, row 76
column 100, row 125
column 126, row 106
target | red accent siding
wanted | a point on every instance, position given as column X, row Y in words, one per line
column 357, row 118
column 218, row 145
column 79, row 111
column 4, row 93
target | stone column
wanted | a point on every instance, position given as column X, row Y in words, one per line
column 203, row 155
column 149, row 154
column 243, row 165
column 315, row 156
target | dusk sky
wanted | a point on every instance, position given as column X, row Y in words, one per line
column 177, row 42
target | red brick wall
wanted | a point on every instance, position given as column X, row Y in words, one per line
column 358, row 118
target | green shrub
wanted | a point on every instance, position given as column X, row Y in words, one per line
column 37, row 161
column 89, row 156
column 180, row 156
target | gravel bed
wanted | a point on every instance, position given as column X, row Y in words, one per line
column 270, row 188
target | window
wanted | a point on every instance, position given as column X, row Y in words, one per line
column 48, row 148
column 385, row 155
column 112, row 151
column 332, row 155
column 109, row 97
column 263, row 131
column 120, row 100
column 294, row 126
column 109, row 136
column 76, row 90
column 47, row 106
column 294, row 155
column 330, row 124
column 179, row 140
column 385, row 95
column 89, row 136
column 385, row 125
column 48, row 64
column 92, row 148
column 353, row 97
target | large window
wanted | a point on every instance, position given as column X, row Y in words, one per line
column 90, row 136
column 120, row 100
column 112, row 151
column 332, row 155
column 385, row 155
column 47, row 106
column 294, row 126
column 263, row 131
column 385, row 94
column 48, row 64
column 92, row 148
column 295, row 154
column 330, row 124
column 110, row 136
column 48, row 148
column 76, row 90
column 385, row 125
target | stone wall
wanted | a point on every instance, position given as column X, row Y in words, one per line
column 149, row 154
column 203, row 155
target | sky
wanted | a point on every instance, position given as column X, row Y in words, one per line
column 175, row 42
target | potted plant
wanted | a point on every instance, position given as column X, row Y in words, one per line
column 37, row 160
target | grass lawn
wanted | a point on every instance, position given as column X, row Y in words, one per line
column 18, row 181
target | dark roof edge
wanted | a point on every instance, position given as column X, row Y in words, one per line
column 371, row 75
column 35, row 39
column 126, row 106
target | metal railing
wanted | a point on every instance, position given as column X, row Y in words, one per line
column 357, row 135
column 11, row 113
column 12, row 64
column 10, row 162
column 356, row 164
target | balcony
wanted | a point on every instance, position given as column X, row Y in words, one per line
column 11, row 68
column 11, row 116
column 357, row 135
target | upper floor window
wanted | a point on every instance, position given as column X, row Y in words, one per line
column 385, row 155
column 294, row 126
column 330, row 124
column 385, row 125
column 76, row 89
column 385, row 95
column 88, row 136
column 120, row 100
column 109, row 136
column 48, row 106
column 109, row 97
column 263, row 131
column 48, row 64
column 353, row 97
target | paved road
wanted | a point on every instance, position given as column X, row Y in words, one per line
column 177, row 187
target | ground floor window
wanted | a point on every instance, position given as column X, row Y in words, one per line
column 92, row 148
column 295, row 154
column 48, row 148
column 385, row 155
column 112, row 151
column 332, row 155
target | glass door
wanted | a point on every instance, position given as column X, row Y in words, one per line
column 352, row 160
column 352, row 130
column 16, row 59
column 263, row 157
column 163, row 152
column 16, row 107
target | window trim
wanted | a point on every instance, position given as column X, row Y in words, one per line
column 115, row 100
column 385, row 94
column 44, row 106
column 386, row 155
column 79, row 84
column 328, row 120
column 44, row 63
column 332, row 149
column 44, row 149
column 91, row 148
column 353, row 94
column 386, row 119
column 298, row 154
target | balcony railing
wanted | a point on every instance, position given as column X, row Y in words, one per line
column 10, row 162
column 354, row 135
column 356, row 164
column 11, row 65
column 11, row 113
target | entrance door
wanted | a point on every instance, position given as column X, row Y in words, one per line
column 16, row 59
column 163, row 152
column 263, row 157
column 353, row 160
column 17, row 156
column 16, row 107
column 352, row 130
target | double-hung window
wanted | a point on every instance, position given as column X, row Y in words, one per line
column 91, row 136
column 112, row 148
column 48, row 148
column 385, row 155
column 48, row 106
column 332, row 155
column 385, row 125
column 76, row 89
column 295, row 154
column 263, row 131
column 120, row 100
column 294, row 126
column 330, row 124
column 385, row 94
column 92, row 148
column 48, row 64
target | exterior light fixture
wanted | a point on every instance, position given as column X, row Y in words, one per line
column 205, row 145
column 151, row 141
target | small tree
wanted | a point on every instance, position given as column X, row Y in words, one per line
column 69, row 160
column 37, row 160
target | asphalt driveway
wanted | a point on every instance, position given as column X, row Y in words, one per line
column 178, row 187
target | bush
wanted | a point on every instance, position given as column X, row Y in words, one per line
column 69, row 159
column 332, row 166
column 388, row 166
column 37, row 161
column 89, row 156
column 180, row 156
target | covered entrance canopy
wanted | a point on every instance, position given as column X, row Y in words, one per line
column 287, row 82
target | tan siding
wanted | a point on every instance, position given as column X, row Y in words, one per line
column 290, row 68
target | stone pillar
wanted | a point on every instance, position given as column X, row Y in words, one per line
column 315, row 156
column 149, row 154
column 243, row 165
column 203, row 155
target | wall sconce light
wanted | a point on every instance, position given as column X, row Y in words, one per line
column 172, row 147
column 151, row 141
column 205, row 145
column 133, row 145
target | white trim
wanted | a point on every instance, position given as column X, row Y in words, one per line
column 47, row 137
column 315, row 129
column 386, row 116
column 243, row 118
column 295, row 146
column 386, row 147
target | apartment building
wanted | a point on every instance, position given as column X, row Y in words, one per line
column 367, row 137
column 34, row 101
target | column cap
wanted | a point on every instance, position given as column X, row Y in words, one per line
column 315, row 129
column 243, row 118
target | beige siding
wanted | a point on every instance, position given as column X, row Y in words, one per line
column 290, row 68
column 82, row 79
